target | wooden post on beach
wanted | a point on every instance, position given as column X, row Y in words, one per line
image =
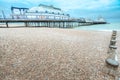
column 112, row 41
column 112, row 59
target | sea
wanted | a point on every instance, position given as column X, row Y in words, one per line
column 111, row 25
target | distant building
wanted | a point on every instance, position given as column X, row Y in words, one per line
column 39, row 12
column 101, row 19
column 88, row 20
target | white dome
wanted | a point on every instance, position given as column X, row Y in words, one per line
column 34, row 9
column 45, row 9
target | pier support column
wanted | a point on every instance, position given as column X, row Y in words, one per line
column 7, row 24
column 59, row 24
column 63, row 24
column 26, row 25
column 54, row 24
column 47, row 24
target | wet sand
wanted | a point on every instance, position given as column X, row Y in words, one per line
column 54, row 54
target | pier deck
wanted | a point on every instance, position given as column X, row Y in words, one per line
column 48, row 22
column 36, row 22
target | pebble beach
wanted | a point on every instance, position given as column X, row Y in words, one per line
column 55, row 54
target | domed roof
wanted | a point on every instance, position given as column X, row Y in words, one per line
column 44, row 8
column 34, row 9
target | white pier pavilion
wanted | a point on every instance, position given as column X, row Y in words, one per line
column 39, row 12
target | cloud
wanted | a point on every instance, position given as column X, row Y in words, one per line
column 84, row 4
column 74, row 7
column 70, row 4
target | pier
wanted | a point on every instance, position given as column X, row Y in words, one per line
column 48, row 23
column 41, row 23
column 44, row 16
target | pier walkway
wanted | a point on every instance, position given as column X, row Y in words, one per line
column 41, row 23
column 69, row 23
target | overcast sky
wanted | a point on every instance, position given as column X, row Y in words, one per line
column 76, row 8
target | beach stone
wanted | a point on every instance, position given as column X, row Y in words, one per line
column 114, row 31
column 114, row 37
column 114, row 34
column 112, row 62
column 112, row 42
column 114, row 47
column 118, row 79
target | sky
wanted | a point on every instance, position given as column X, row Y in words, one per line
column 110, row 9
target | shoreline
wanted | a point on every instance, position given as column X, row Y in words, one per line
column 56, row 28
